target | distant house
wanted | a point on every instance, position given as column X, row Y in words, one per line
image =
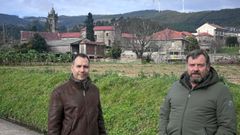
column 127, row 41
column 170, row 43
column 205, row 41
column 61, row 46
column 57, row 42
column 218, row 33
column 214, row 30
column 105, row 34
column 92, row 49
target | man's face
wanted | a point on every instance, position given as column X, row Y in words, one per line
column 197, row 69
column 80, row 68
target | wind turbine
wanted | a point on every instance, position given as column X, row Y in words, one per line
column 159, row 5
column 183, row 7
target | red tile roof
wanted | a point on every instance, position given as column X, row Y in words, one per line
column 187, row 33
column 101, row 28
column 168, row 34
column 48, row 36
column 128, row 36
column 70, row 35
column 204, row 34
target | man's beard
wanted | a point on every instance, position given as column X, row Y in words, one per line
column 196, row 80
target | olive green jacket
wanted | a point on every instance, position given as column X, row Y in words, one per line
column 207, row 109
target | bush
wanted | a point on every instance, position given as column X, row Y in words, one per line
column 31, row 57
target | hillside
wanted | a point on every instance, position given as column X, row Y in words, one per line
column 11, row 19
column 172, row 19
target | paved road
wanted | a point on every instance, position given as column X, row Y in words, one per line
column 8, row 128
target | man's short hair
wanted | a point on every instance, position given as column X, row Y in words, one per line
column 195, row 53
column 82, row 55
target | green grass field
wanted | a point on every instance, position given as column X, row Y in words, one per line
column 131, row 105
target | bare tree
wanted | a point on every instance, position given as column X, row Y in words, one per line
column 141, row 33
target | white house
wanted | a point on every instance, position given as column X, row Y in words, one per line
column 216, row 31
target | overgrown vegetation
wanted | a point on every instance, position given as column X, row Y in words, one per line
column 32, row 57
column 131, row 105
column 229, row 50
column 114, row 51
column 232, row 41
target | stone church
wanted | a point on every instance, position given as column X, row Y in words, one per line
column 52, row 21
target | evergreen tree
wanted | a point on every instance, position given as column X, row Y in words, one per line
column 232, row 41
column 89, row 27
column 193, row 44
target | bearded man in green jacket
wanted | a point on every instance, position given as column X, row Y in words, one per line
column 199, row 103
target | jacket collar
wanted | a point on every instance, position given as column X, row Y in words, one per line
column 80, row 84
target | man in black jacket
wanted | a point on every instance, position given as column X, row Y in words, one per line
column 75, row 107
column 199, row 103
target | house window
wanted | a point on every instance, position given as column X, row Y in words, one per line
column 106, row 34
column 95, row 37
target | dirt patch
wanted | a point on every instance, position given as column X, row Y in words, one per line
column 230, row 72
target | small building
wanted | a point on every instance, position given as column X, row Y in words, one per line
column 105, row 34
column 92, row 49
column 170, row 43
column 61, row 46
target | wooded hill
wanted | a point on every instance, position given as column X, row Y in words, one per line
column 171, row 19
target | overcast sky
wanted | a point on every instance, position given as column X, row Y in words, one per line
column 41, row 8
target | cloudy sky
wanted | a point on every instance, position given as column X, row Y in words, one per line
column 37, row 8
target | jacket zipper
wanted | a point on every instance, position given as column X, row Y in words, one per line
column 188, row 97
column 205, row 130
column 84, row 93
column 85, row 102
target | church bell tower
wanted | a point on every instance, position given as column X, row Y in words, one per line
column 52, row 21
